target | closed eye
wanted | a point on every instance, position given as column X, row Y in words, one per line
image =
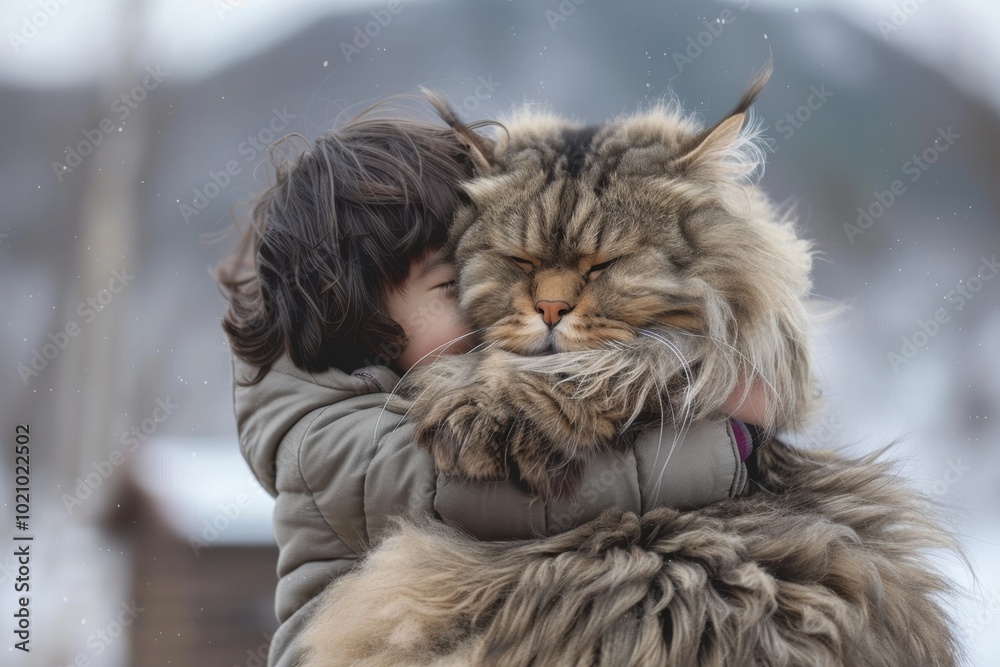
column 602, row 265
column 448, row 286
column 526, row 263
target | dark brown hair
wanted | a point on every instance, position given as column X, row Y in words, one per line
column 333, row 235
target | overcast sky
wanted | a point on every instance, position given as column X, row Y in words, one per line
column 197, row 37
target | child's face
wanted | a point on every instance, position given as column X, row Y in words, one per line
column 426, row 309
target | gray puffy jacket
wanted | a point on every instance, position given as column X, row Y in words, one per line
column 337, row 456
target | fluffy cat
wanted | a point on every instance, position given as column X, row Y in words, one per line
column 617, row 273
column 678, row 280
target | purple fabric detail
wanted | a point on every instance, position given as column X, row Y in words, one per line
column 744, row 441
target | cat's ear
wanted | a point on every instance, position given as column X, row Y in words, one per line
column 713, row 149
column 723, row 147
column 480, row 147
column 484, row 191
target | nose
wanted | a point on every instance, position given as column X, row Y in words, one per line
column 552, row 311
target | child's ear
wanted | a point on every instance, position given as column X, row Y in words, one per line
column 480, row 147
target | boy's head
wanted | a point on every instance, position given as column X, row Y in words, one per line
column 334, row 243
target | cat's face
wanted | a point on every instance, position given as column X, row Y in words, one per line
column 583, row 238
column 553, row 263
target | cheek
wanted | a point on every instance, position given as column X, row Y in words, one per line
column 453, row 324
column 442, row 324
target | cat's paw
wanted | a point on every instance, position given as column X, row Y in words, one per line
column 551, row 443
column 544, row 470
column 466, row 437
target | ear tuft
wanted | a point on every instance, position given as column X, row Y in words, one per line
column 729, row 149
column 754, row 87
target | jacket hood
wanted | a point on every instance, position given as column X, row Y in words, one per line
column 266, row 411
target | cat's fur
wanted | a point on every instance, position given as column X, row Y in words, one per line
column 824, row 564
column 825, row 568
column 705, row 287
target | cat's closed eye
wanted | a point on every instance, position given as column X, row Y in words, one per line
column 601, row 266
column 523, row 263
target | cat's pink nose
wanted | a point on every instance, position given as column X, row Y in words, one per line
column 552, row 311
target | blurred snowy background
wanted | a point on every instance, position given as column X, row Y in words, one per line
column 131, row 130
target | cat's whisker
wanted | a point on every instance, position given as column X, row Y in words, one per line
column 445, row 345
column 686, row 407
column 659, row 447
column 673, row 420
column 680, row 357
column 429, row 386
column 746, row 359
column 718, row 343
column 415, row 365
